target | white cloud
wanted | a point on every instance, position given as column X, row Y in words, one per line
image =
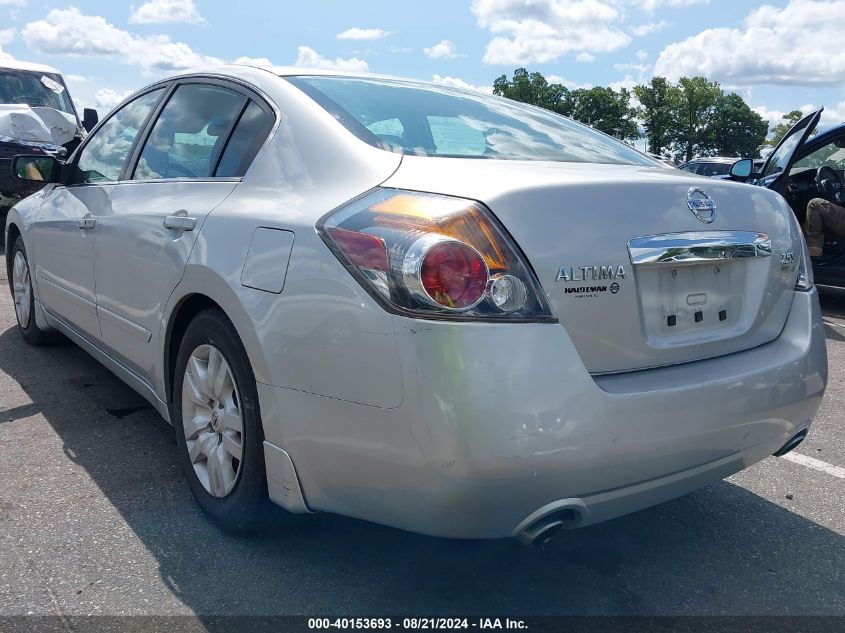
column 568, row 84
column 649, row 27
column 307, row 57
column 628, row 82
column 642, row 55
column 362, row 34
column 7, row 36
column 444, row 49
column 13, row 3
column 652, row 5
column 400, row 49
column 585, row 58
column 455, row 82
column 543, row 30
column 77, row 79
column 107, row 98
column 799, row 44
column 163, row 11
column 261, row 62
column 832, row 115
column 642, row 69
column 69, row 32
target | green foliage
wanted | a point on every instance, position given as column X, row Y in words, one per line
column 603, row 108
column 735, row 129
column 693, row 117
column 691, row 130
column 786, row 123
column 606, row 110
column 658, row 105
column 534, row 89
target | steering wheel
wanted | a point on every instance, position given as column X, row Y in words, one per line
column 176, row 170
column 829, row 183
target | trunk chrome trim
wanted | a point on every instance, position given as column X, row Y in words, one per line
column 696, row 247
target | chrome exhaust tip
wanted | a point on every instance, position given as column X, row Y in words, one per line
column 541, row 530
column 791, row 444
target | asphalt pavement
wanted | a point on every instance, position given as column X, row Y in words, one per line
column 95, row 518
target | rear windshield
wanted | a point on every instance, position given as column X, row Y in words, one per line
column 424, row 120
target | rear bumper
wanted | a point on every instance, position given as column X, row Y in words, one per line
column 501, row 423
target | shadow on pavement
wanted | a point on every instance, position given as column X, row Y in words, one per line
column 720, row 550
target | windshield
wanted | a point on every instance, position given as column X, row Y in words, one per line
column 425, row 120
column 35, row 89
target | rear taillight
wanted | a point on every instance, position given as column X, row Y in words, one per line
column 434, row 256
column 805, row 279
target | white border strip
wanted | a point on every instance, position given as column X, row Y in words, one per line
column 816, row 464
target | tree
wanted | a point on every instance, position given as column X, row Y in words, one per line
column 606, row 110
column 533, row 88
column 735, row 129
column 786, row 123
column 658, row 106
column 692, row 128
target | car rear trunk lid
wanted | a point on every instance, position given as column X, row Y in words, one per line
column 633, row 274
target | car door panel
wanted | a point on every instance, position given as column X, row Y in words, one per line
column 64, row 262
column 139, row 261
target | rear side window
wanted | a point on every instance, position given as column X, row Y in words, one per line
column 104, row 155
column 188, row 138
column 246, row 140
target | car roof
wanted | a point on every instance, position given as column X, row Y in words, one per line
column 235, row 71
column 30, row 66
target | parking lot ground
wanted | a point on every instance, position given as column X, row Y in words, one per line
column 95, row 518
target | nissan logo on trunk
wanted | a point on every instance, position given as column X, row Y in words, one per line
column 701, row 205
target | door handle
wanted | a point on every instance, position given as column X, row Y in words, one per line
column 88, row 222
column 180, row 222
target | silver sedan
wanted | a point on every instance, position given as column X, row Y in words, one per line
column 435, row 309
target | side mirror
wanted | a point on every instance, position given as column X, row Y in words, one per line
column 90, row 118
column 741, row 169
column 35, row 168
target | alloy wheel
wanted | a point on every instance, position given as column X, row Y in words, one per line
column 22, row 289
column 212, row 421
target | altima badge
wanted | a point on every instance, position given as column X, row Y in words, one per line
column 590, row 273
column 701, row 205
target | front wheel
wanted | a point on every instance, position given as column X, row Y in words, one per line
column 20, row 280
column 218, row 423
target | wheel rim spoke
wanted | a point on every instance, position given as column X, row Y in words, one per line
column 21, row 289
column 230, row 419
column 232, row 445
column 194, row 393
column 212, row 420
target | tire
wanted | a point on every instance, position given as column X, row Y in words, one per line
column 20, row 285
column 206, row 434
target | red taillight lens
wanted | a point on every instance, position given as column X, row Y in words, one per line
column 430, row 255
column 454, row 275
column 365, row 250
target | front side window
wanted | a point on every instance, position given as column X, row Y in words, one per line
column 781, row 155
column 442, row 121
column 104, row 156
column 187, row 139
column 830, row 155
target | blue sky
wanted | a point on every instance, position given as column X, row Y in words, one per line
column 779, row 55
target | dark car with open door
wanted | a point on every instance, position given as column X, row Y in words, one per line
column 801, row 168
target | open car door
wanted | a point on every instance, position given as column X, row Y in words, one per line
column 780, row 161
